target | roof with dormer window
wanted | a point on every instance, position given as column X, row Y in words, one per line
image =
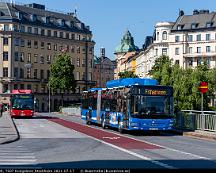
column 201, row 19
column 10, row 12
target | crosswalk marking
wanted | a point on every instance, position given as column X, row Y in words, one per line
column 23, row 154
column 17, row 155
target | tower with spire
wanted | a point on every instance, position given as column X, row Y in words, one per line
column 125, row 50
column 127, row 44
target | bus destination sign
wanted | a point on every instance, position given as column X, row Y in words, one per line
column 23, row 96
column 155, row 92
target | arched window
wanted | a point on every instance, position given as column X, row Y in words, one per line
column 164, row 35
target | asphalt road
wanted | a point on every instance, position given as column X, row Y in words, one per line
column 69, row 143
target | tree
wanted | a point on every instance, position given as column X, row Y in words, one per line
column 211, row 83
column 62, row 77
column 198, row 75
column 185, row 83
column 127, row 74
column 162, row 70
column 176, row 78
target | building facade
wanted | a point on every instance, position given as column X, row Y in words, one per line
column 189, row 42
column 193, row 39
column 103, row 70
column 30, row 37
column 153, row 48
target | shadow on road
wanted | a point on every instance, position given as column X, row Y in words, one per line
column 145, row 133
column 123, row 164
column 36, row 117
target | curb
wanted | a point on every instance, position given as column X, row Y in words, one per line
column 195, row 134
column 201, row 136
column 15, row 136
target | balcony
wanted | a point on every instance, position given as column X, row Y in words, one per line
column 202, row 54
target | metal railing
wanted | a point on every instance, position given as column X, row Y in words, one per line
column 72, row 111
column 196, row 120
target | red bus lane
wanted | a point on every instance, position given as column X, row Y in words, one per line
column 117, row 140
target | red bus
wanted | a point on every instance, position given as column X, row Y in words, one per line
column 22, row 103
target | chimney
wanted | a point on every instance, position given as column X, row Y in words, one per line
column 195, row 12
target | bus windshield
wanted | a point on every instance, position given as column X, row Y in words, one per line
column 22, row 104
column 151, row 106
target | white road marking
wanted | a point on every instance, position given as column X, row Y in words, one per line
column 17, row 155
column 132, row 153
column 12, row 151
column 139, row 156
column 112, row 138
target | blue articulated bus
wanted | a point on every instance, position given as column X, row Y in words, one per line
column 130, row 104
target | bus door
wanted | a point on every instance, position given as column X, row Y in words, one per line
column 98, row 107
column 125, row 106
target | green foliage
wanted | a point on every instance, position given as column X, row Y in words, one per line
column 62, row 73
column 212, row 108
column 62, row 76
column 162, row 70
column 185, row 83
column 127, row 74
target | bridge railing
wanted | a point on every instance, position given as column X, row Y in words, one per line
column 71, row 111
column 196, row 120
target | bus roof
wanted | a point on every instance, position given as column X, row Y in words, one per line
column 124, row 82
column 95, row 89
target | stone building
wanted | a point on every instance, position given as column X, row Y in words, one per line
column 30, row 37
column 103, row 69
column 189, row 42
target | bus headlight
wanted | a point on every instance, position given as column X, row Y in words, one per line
column 171, row 121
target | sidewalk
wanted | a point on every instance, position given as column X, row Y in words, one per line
column 196, row 134
column 8, row 131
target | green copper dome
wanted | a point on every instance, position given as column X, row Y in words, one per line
column 96, row 60
column 127, row 44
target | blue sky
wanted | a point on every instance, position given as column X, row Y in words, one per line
column 109, row 19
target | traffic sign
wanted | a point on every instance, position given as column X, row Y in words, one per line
column 203, row 87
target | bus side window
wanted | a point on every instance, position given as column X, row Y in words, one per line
column 85, row 104
column 124, row 107
column 94, row 103
column 114, row 105
column 118, row 105
column 136, row 104
column 102, row 105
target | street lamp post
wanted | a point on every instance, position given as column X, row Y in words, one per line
column 49, row 98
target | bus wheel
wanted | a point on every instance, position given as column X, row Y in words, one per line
column 104, row 123
column 88, row 120
column 120, row 129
